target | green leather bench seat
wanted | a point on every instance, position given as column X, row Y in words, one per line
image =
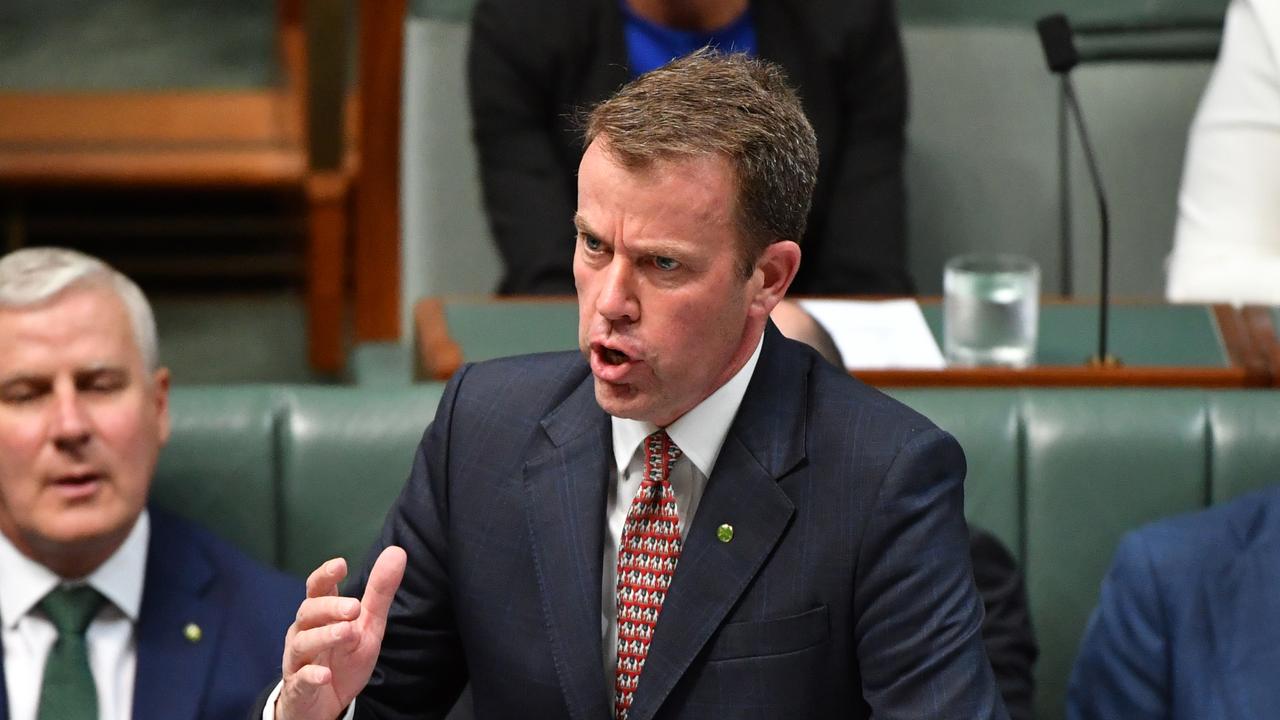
column 296, row 475
column 1060, row 475
column 293, row 474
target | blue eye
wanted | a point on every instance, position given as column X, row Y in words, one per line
column 591, row 243
column 665, row 263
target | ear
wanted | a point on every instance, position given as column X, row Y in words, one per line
column 160, row 388
column 775, row 269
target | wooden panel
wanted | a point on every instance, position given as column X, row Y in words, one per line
column 1260, row 324
column 65, row 120
column 216, row 139
column 209, row 167
column 326, row 269
column 439, row 355
column 377, row 241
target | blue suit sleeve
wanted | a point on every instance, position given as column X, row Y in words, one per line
column 1122, row 668
column 919, row 628
column 421, row 669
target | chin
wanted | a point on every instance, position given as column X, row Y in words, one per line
column 622, row 401
column 90, row 523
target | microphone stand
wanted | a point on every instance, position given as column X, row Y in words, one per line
column 1102, row 359
column 1061, row 55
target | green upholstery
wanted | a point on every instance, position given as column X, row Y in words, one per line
column 343, row 461
column 296, row 475
column 221, row 464
column 486, row 330
column 1081, row 467
column 1095, row 469
column 1246, row 443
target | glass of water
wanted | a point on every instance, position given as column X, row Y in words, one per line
column 991, row 310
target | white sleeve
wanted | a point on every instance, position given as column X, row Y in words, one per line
column 1227, row 243
column 269, row 712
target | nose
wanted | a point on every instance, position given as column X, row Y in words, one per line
column 616, row 300
column 70, row 423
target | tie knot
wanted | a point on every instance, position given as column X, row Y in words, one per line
column 660, row 453
column 71, row 609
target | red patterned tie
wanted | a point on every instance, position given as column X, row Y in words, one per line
column 646, row 563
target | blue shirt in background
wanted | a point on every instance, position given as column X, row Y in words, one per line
column 650, row 45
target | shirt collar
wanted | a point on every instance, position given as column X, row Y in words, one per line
column 699, row 433
column 119, row 579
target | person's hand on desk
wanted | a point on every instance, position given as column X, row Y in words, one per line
column 331, row 648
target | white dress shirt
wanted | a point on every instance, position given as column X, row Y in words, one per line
column 111, row 638
column 699, row 434
column 1227, row 243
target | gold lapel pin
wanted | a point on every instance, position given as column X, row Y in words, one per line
column 724, row 533
column 192, row 633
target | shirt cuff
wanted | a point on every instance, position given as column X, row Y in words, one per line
column 269, row 711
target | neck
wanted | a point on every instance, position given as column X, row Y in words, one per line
column 701, row 15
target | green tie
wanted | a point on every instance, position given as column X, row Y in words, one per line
column 68, row 692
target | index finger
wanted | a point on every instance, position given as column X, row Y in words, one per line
column 324, row 579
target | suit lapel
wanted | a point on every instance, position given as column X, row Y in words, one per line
column 174, row 660
column 766, row 441
column 1245, row 639
column 565, row 482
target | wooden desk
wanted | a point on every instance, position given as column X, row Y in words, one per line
column 1159, row 345
column 1263, row 326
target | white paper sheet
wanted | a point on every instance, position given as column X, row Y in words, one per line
column 879, row 334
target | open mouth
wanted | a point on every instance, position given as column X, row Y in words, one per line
column 610, row 364
column 613, row 357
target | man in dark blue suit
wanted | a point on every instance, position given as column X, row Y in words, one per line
column 109, row 610
column 693, row 517
column 1188, row 623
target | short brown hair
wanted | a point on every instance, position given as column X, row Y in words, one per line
column 734, row 106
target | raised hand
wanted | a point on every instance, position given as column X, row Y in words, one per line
column 331, row 648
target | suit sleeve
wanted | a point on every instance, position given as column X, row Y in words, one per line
column 529, row 187
column 421, row 670
column 1006, row 628
column 919, row 626
column 1121, row 669
column 862, row 243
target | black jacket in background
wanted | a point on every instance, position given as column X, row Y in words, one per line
column 1006, row 629
column 533, row 66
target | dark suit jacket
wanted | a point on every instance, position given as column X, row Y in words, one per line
column 846, row 590
column 1188, row 622
column 533, row 65
column 243, row 610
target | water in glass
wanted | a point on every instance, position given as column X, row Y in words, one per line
column 991, row 310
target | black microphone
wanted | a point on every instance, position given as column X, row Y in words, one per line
column 1056, row 39
column 1060, row 53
